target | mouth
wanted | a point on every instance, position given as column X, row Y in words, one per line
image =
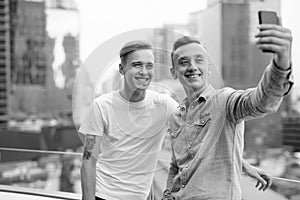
column 142, row 79
column 193, row 76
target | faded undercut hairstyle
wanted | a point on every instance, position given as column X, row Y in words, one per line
column 181, row 42
column 131, row 47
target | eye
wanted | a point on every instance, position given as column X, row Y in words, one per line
column 183, row 62
column 149, row 66
column 198, row 60
column 136, row 65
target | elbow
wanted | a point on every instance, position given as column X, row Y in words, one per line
column 271, row 106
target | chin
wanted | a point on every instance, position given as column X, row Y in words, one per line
column 141, row 89
column 194, row 87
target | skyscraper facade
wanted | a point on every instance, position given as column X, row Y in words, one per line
column 29, row 64
column 4, row 63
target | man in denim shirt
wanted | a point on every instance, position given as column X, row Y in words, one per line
column 207, row 133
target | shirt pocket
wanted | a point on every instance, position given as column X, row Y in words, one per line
column 202, row 120
column 175, row 133
column 178, row 143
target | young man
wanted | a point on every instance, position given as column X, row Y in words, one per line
column 207, row 132
column 124, row 131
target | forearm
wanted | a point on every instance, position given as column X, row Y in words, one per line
column 88, row 168
column 265, row 98
column 245, row 165
column 276, row 81
column 88, row 180
column 173, row 171
column 274, row 84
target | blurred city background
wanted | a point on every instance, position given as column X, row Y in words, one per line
column 40, row 55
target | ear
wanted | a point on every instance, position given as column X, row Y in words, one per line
column 174, row 75
column 121, row 69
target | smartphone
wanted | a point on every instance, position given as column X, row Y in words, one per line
column 267, row 17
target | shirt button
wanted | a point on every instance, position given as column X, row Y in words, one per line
column 192, row 107
column 183, row 186
column 202, row 121
column 188, row 124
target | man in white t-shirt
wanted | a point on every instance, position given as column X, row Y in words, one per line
column 124, row 131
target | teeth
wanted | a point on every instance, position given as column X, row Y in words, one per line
column 193, row 75
column 142, row 79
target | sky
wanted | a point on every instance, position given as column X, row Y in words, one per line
column 102, row 20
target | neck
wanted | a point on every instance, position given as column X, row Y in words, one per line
column 133, row 96
column 193, row 94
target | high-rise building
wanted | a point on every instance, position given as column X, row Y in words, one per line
column 71, row 63
column 227, row 28
column 29, row 63
column 63, row 28
column 4, row 63
column 163, row 40
column 38, row 28
column 291, row 120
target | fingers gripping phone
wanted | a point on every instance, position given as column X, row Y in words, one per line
column 268, row 17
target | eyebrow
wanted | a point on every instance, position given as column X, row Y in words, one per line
column 186, row 57
column 140, row 62
column 200, row 55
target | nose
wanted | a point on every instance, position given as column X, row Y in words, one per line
column 192, row 66
column 143, row 70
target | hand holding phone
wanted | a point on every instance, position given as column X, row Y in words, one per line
column 268, row 17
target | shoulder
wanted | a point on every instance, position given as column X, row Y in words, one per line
column 105, row 101
column 156, row 96
column 221, row 96
column 105, row 97
column 224, row 93
column 162, row 98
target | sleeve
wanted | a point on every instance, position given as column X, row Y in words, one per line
column 171, row 104
column 173, row 171
column 93, row 122
column 265, row 98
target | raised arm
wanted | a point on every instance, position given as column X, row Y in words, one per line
column 275, row 83
column 88, row 167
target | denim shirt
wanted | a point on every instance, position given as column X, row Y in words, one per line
column 207, row 137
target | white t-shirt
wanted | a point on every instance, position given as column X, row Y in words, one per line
column 132, row 136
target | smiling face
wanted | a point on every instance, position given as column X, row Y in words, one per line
column 138, row 70
column 190, row 64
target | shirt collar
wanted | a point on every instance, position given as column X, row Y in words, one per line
column 206, row 94
column 203, row 96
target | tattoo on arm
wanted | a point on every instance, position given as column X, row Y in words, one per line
column 88, row 146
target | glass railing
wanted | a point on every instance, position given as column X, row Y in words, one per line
column 56, row 174
column 50, row 171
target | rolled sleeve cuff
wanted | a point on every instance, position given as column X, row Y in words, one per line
column 285, row 77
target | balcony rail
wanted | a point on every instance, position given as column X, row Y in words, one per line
column 248, row 192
